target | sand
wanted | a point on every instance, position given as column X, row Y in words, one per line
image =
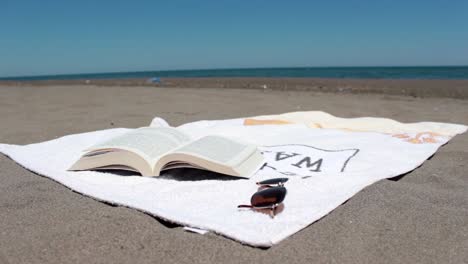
column 419, row 218
column 415, row 88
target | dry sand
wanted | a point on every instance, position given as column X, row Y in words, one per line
column 419, row 218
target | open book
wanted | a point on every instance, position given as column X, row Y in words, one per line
column 150, row 150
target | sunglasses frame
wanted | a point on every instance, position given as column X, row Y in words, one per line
column 264, row 185
column 272, row 182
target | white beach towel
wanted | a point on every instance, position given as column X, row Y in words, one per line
column 326, row 159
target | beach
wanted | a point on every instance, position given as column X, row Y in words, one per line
column 409, row 87
column 421, row 217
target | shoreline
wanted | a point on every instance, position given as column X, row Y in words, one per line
column 406, row 87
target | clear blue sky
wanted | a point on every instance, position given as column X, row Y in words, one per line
column 59, row 36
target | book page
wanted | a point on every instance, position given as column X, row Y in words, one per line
column 147, row 141
column 219, row 149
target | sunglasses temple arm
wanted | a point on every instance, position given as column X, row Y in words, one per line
column 272, row 209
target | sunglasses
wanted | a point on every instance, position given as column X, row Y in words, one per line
column 270, row 195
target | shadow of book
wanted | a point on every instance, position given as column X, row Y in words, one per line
column 190, row 174
column 120, row 172
column 180, row 174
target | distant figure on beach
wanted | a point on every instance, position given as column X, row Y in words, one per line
column 155, row 80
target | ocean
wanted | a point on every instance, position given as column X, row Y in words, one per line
column 433, row 72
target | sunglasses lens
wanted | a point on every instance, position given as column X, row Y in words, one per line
column 273, row 181
column 268, row 197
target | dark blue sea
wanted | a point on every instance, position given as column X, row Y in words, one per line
column 439, row 72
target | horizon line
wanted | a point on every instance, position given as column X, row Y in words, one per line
column 215, row 69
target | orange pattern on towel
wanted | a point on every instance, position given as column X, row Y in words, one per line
column 256, row 122
column 419, row 138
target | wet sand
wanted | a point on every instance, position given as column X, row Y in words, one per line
column 415, row 88
column 421, row 217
